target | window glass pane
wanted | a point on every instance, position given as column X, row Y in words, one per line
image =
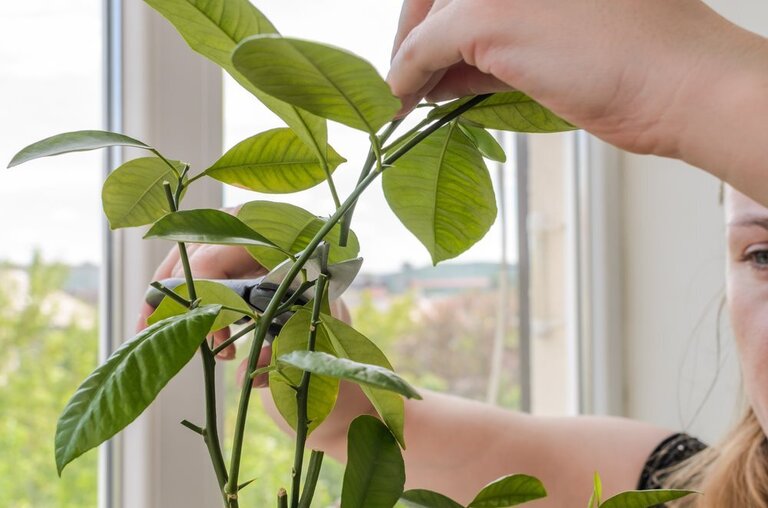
column 50, row 81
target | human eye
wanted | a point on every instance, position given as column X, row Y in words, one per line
column 757, row 257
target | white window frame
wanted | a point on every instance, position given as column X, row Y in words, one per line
column 171, row 98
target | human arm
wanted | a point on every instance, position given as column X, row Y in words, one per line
column 456, row 446
column 670, row 78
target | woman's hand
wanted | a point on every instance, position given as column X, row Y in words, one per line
column 208, row 262
column 641, row 74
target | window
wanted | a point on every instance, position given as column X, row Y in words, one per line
column 50, row 254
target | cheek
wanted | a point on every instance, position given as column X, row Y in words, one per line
column 748, row 310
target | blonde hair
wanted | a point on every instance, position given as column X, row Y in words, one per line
column 733, row 474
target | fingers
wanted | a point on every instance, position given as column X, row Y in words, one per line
column 461, row 80
column 220, row 262
column 262, row 380
column 412, row 13
column 146, row 311
column 340, row 311
column 430, row 48
column 220, row 336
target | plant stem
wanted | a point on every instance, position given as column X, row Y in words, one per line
column 406, row 135
column 286, row 306
column 302, row 394
column 274, row 304
column 171, row 294
column 432, row 128
column 313, row 473
column 282, row 499
column 194, row 428
column 370, row 160
column 331, row 185
column 211, row 435
column 248, row 329
column 195, row 178
column 167, row 162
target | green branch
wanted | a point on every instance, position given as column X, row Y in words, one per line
column 302, row 394
column 269, row 313
column 313, row 473
column 211, row 432
column 370, row 160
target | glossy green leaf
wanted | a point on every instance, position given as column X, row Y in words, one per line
column 349, row 343
column 422, row 498
column 121, row 389
column 343, row 368
column 213, row 28
column 323, row 80
column 509, row 491
column 323, row 390
column 375, row 472
column 209, row 293
column 133, row 194
column 206, row 226
column 275, row 161
column 291, row 228
column 644, row 498
column 77, row 141
column 509, row 111
column 484, row 141
column 442, row 192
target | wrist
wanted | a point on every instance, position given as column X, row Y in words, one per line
column 721, row 122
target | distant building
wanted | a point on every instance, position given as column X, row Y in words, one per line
column 429, row 283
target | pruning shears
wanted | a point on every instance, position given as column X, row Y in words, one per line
column 258, row 292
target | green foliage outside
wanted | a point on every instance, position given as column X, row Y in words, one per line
column 42, row 365
column 448, row 347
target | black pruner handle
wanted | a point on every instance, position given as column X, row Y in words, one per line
column 255, row 292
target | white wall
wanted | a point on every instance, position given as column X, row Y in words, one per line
column 673, row 263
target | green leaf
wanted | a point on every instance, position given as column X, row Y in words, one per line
column 422, row 498
column 442, row 192
column 509, row 491
column 275, row 161
column 349, row 343
column 321, row 79
column 206, row 226
column 484, row 141
column 213, row 28
column 343, row 368
column 323, row 390
column 133, row 194
column 509, row 111
column 121, row 389
column 209, row 293
column 375, row 472
column 597, row 492
column 77, row 141
column 644, row 498
column 291, row 228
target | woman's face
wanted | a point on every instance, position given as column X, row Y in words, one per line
column 747, row 290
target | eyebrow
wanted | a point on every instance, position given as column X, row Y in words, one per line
column 750, row 221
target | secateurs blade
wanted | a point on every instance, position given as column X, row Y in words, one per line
column 258, row 292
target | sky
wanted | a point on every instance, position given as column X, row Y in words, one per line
column 52, row 83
